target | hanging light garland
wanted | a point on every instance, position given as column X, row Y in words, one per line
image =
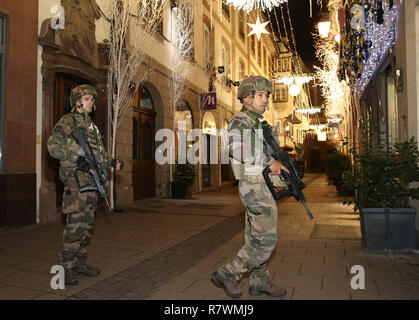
column 368, row 30
column 384, row 37
column 310, row 111
column 335, row 91
column 249, row 5
column 299, row 80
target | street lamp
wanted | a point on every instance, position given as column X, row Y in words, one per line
column 324, row 25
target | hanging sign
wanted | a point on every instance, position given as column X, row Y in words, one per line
column 209, row 101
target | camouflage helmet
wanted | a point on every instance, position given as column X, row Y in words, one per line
column 253, row 84
column 80, row 91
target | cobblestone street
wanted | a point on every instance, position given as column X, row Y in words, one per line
column 167, row 249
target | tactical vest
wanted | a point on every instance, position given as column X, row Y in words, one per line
column 250, row 172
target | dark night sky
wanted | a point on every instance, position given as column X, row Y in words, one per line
column 302, row 24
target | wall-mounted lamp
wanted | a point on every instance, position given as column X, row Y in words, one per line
column 173, row 5
column 324, row 24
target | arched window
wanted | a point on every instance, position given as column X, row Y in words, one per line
column 184, row 113
column 145, row 100
column 183, row 124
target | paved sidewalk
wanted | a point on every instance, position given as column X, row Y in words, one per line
column 167, row 249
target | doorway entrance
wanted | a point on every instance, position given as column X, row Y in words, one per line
column 143, row 164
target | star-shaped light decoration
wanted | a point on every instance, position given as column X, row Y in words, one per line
column 258, row 28
column 249, row 5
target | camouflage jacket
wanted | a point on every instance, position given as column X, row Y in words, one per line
column 62, row 146
column 247, row 153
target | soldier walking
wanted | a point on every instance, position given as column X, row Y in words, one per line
column 79, row 207
column 261, row 210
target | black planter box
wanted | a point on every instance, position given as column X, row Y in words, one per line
column 388, row 229
column 178, row 190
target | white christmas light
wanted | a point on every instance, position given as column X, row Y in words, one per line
column 321, row 136
column 258, row 28
column 249, row 5
column 318, row 127
column 299, row 80
column 294, row 90
column 384, row 39
column 308, row 110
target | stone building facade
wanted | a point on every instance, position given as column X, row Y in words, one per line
column 63, row 45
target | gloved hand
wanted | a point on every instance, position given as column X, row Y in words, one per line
column 115, row 161
column 82, row 164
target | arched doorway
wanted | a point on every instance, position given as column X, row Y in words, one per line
column 143, row 163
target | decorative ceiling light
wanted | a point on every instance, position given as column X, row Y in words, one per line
column 308, row 110
column 258, row 28
column 294, row 90
column 249, row 5
column 299, row 80
column 334, row 120
column 317, row 127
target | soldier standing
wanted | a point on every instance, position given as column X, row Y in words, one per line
column 79, row 207
column 261, row 210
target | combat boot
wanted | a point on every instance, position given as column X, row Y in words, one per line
column 69, row 276
column 269, row 288
column 231, row 287
column 86, row 270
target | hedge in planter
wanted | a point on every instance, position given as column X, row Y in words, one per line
column 381, row 177
column 337, row 163
column 184, row 178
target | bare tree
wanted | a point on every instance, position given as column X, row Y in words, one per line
column 183, row 46
column 133, row 25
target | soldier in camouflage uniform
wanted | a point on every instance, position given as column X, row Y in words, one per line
column 248, row 160
column 79, row 207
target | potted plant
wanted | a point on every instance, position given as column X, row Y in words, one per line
column 184, row 178
column 382, row 177
column 336, row 164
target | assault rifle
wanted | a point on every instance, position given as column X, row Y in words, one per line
column 292, row 179
column 91, row 165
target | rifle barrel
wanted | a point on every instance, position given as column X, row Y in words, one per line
column 308, row 210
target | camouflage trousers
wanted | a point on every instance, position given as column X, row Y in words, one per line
column 260, row 235
column 80, row 211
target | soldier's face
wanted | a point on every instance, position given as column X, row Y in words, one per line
column 259, row 102
column 87, row 101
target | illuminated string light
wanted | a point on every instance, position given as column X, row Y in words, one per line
column 310, row 111
column 336, row 92
column 299, row 80
column 249, row 5
column 382, row 36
